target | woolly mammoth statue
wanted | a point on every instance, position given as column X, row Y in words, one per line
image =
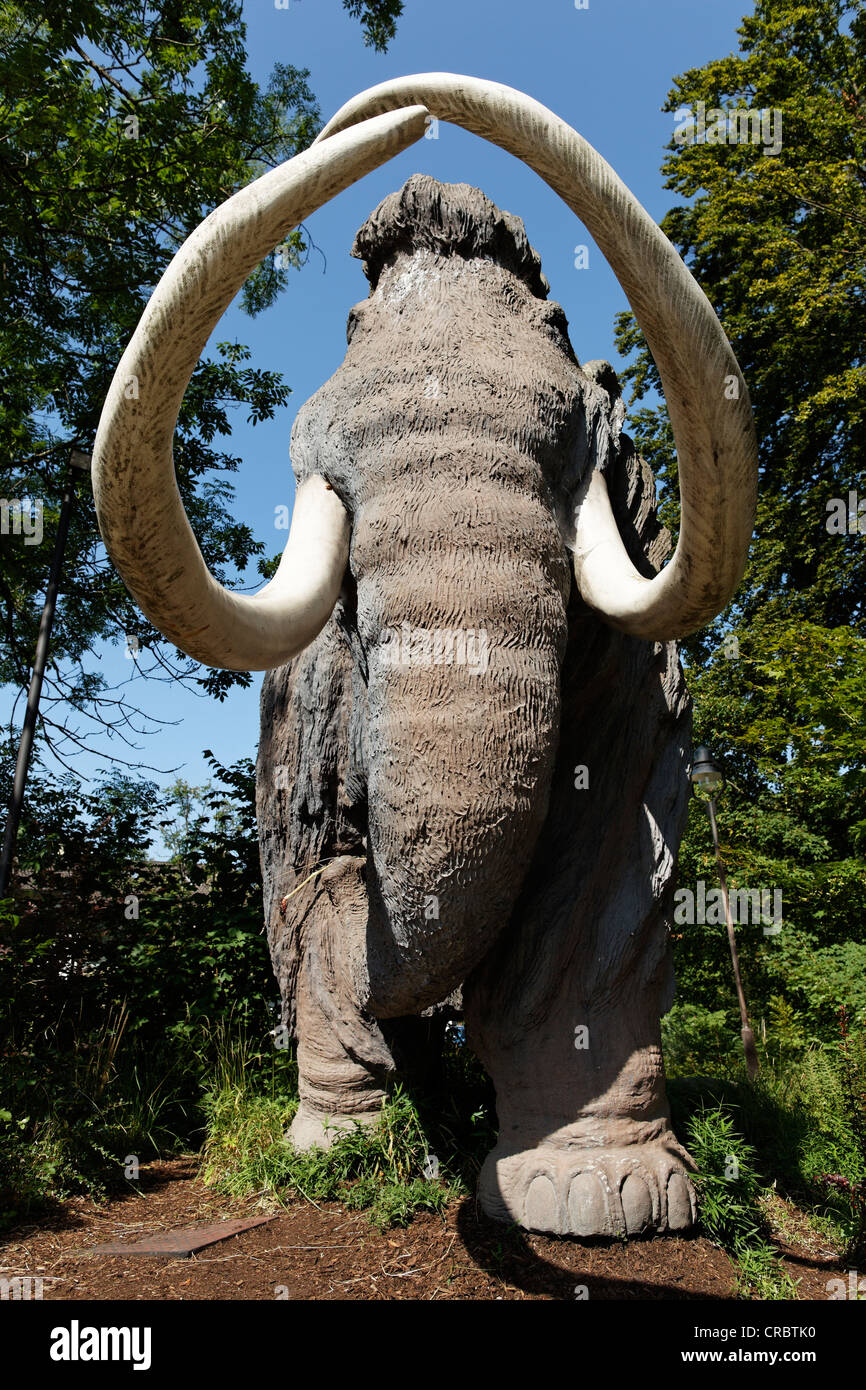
column 473, row 768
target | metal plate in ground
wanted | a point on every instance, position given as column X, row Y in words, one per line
column 180, row 1244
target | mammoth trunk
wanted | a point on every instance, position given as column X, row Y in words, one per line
column 464, row 631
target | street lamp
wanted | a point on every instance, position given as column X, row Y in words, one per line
column 708, row 777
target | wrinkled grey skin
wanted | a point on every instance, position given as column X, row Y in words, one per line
column 437, row 804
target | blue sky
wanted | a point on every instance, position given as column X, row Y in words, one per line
column 606, row 70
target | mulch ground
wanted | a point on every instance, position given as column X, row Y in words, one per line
column 324, row 1252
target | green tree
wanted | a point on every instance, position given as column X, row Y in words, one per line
column 778, row 242
column 121, row 127
column 187, row 815
column 116, row 974
column 787, row 715
column 776, row 236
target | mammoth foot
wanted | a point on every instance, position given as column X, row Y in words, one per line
column 310, row 1130
column 630, row 1191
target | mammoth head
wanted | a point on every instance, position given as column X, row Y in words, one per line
column 140, row 512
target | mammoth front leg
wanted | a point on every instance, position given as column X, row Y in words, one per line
column 348, row 1059
column 344, row 1062
column 311, row 804
column 565, row 1011
column 585, row 1142
column 312, row 819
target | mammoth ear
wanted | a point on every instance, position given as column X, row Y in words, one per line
column 354, row 320
column 605, row 459
column 630, row 483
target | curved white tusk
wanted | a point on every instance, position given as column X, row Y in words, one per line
column 140, row 512
column 706, row 396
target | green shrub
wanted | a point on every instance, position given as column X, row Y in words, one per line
column 729, row 1186
column 111, row 969
column 697, row 1039
column 378, row 1167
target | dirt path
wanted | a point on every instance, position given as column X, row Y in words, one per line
column 324, row 1252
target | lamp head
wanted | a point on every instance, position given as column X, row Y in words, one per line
column 706, row 774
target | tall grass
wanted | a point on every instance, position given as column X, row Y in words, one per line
column 798, row 1130
column 380, row 1167
column 70, row 1127
column 729, row 1188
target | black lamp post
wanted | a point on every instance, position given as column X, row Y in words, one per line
column 709, row 778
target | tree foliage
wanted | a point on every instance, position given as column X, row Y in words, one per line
column 121, row 127
column 778, row 243
column 378, row 20
column 115, row 972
